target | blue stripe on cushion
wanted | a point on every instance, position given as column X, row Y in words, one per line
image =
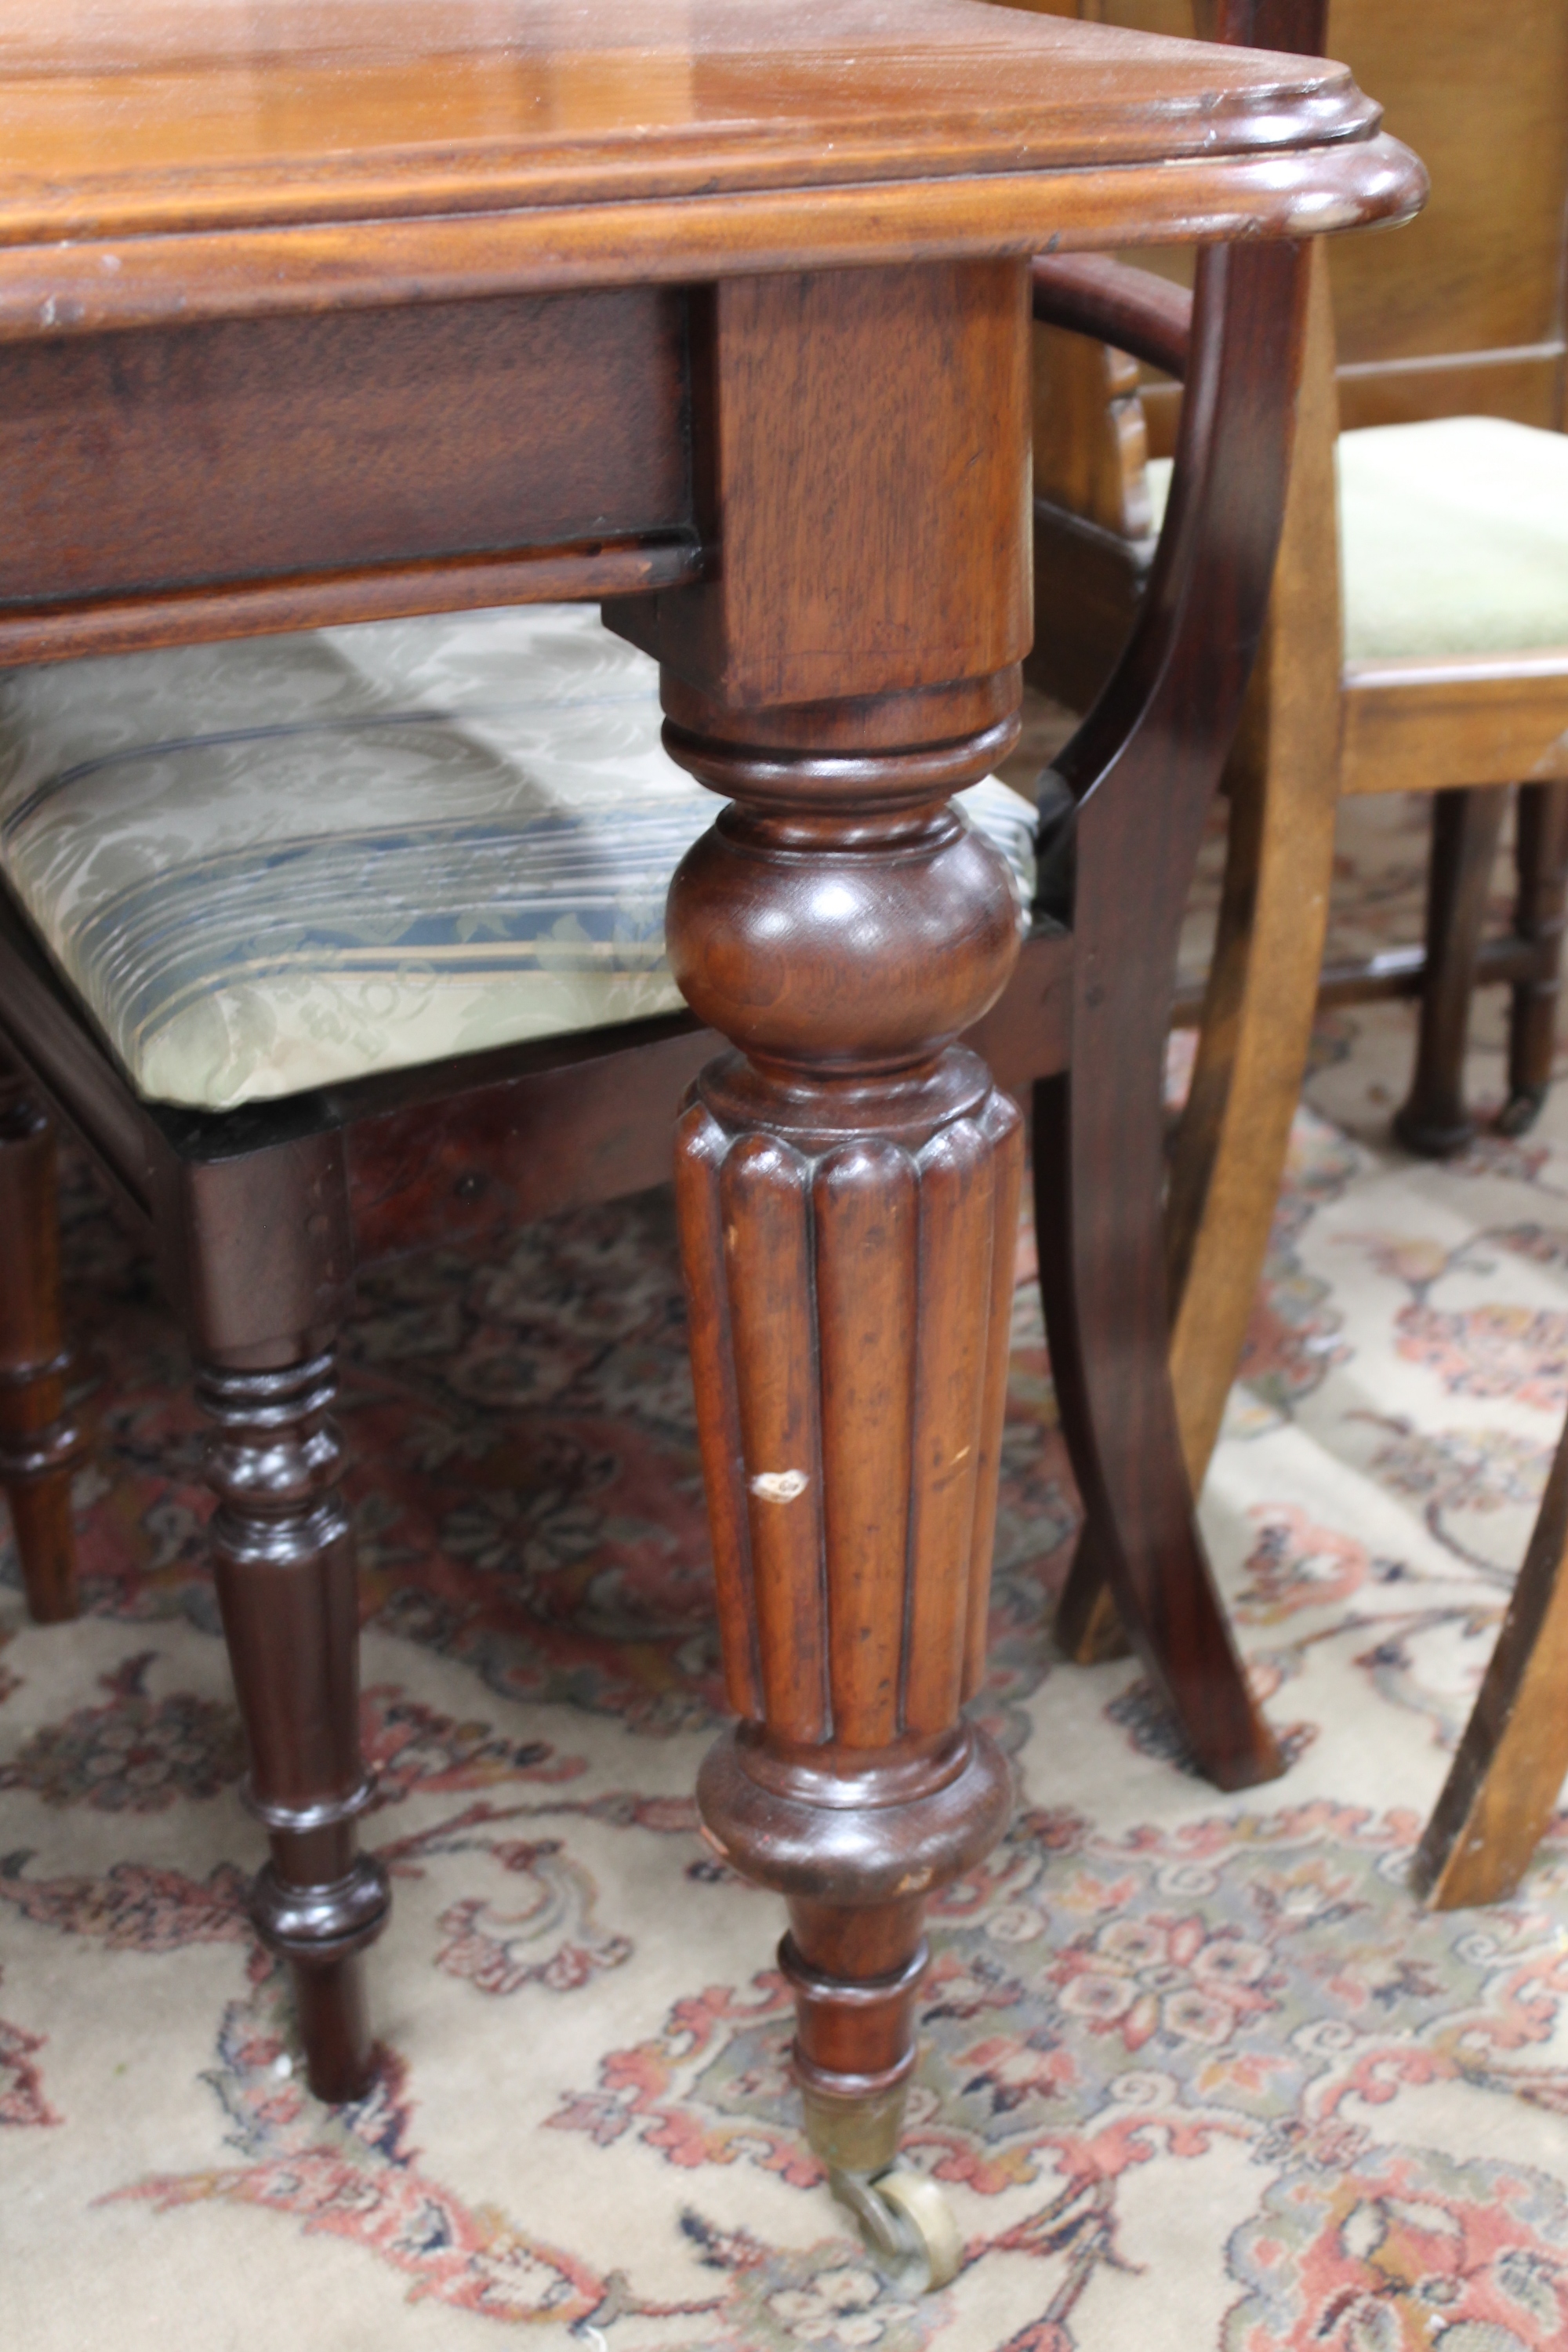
column 470, row 899
column 275, row 901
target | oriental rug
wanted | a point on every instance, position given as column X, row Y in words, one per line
column 1197, row 2072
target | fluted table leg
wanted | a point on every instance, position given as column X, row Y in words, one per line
column 849, row 1193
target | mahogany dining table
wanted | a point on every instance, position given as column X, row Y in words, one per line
column 716, row 312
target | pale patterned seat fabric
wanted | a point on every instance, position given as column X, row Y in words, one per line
column 284, row 864
column 1453, row 538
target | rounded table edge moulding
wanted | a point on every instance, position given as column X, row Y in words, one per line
column 54, row 286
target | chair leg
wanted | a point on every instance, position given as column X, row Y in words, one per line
column 1230, row 1143
column 1433, row 1121
column 39, row 1444
column 1508, row 1774
column 1088, row 1626
column 285, row 1563
column 1541, row 859
column 1505, row 1781
column 1102, row 1276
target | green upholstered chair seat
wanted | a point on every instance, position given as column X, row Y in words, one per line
column 1453, row 538
column 284, row 864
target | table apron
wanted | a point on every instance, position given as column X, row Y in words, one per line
column 273, row 455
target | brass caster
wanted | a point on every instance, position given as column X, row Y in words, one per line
column 906, row 2223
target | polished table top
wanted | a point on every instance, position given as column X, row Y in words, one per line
column 207, row 157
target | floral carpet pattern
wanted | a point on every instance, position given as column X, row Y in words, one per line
column 1196, row 2072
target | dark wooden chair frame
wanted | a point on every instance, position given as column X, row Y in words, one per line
column 1508, row 1774
column 1457, row 953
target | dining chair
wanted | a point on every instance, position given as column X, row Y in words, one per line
column 1417, row 639
column 1452, row 535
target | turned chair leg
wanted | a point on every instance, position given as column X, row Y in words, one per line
column 39, row 1442
column 1433, row 1121
column 285, row 1563
column 1541, row 855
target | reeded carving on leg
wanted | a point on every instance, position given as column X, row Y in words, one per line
column 39, row 1441
column 848, row 1191
column 285, row 1561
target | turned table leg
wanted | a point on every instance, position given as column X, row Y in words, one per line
column 285, row 1563
column 849, row 1192
column 847, row 1180
column 39, row 1442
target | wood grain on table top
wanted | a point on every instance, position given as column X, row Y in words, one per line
column 551, row 98
column 179, row 158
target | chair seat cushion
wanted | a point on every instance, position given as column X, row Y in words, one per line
column 283, row 864
column 1453, row 538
